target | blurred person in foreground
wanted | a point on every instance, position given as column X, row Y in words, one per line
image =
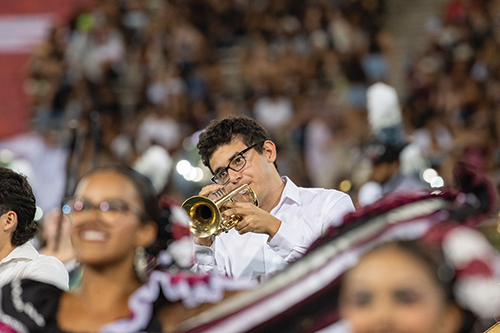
column 411, row 262
column 19, row 259
column 115, row 224
column 288, row 218
column 400, row 285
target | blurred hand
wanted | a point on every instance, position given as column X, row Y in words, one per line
column 64, row 250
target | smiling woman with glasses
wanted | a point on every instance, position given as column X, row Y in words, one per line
column 114, row 225
column 110, row 211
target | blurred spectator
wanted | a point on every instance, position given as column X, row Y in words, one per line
column 384, row 114
column 274, row 112
column 386, row 175
column 434, row 139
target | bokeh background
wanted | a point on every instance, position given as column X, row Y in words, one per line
column 87, row 82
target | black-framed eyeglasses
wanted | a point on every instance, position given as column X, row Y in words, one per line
column 110, row 211
column 237, row 163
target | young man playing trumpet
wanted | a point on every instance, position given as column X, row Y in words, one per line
column 288, row 219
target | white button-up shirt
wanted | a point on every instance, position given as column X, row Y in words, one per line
column 305, row 213
column 24, row 262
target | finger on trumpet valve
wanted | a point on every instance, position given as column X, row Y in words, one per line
column 219, row 193
column 216, row 194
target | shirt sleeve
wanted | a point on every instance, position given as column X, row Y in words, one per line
column 334, row 214
column 203, row 258
column 288, row 243
column 209, row 259
column 49, row 270
column 291, row 245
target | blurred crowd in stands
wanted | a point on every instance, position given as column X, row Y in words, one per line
column 135, row 80
column 136, row 74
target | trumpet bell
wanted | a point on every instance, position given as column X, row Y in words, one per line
column 204, row 216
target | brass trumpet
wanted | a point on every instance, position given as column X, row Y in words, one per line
column 205, row 218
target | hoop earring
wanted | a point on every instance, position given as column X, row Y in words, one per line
column 141, row 264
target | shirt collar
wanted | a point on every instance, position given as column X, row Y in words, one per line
column 291, row 191
column 25, row 251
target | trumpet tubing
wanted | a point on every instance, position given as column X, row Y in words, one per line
column 205, row 218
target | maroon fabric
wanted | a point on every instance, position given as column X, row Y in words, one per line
column 475, row 268
column 7, row 329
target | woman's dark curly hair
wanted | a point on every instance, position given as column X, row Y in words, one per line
column 16, row 195
column 223, row 131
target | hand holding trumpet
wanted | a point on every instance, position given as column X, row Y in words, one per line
column 253, row 218
column 210, row 217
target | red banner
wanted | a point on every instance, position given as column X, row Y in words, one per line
column 23, row 25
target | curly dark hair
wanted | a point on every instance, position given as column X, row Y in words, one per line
column 223, row 131
column 16, row 195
